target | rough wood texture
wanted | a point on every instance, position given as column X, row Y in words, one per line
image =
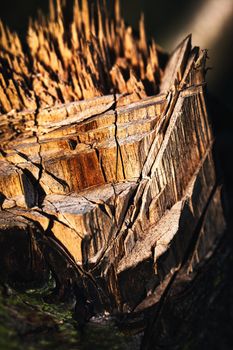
column 73, row 57
column 119, row 189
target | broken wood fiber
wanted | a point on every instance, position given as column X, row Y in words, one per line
column 106, row 155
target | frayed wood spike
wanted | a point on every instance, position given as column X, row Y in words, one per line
column 118, row 79
column 77, row 16
column 74, row 36
column 135, row 86
column 5, row 103
column 142, row 36
column 130, row 48
column 154, row 56
column 117, row 12
column 52, row 11
column 101, row 33
column 58, row 8
column 3, row 36
column 86, row 19
column 32, row 38
column 93, row 26
column 107, row 26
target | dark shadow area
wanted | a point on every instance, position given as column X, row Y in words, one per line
column 16, row 14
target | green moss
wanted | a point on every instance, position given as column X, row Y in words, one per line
column 27, row 322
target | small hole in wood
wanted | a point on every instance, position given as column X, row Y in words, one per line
column 72, row 144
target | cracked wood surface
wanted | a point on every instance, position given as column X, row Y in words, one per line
column 117, row 182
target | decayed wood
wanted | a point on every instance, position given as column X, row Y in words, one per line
column 118, row 183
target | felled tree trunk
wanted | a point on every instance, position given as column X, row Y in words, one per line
column 106, row 159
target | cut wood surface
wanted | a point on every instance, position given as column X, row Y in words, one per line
column 106, row 158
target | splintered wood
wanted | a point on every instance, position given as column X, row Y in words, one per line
column 69, row 60
column 115, row 180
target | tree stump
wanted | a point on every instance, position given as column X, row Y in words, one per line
column 106, row 160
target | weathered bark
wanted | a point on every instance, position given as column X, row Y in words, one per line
column 118, row 190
